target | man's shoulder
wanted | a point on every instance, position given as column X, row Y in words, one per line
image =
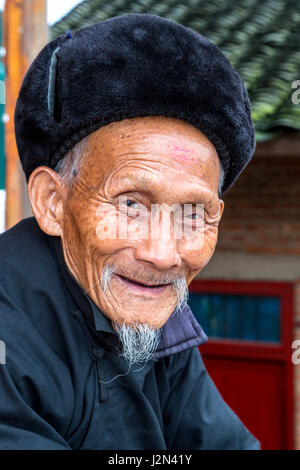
column 29, row 274
column 24, row 252
column 35, row 367
column 34, row 305
column 26, row 261
column 21, row 241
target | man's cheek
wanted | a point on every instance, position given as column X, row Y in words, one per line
column 197, row 252
column 107, row 230
column 106, row 223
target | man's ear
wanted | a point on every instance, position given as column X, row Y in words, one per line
column 46, row 192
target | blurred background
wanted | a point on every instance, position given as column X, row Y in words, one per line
column 247, row 298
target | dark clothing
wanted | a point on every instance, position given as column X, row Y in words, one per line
column 60, row 349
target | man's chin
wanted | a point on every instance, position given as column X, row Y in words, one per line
column 133, row 317
column 152, row 312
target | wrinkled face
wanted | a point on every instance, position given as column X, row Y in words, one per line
column 132, row 173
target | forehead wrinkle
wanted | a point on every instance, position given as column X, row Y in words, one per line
column 151, row 161
column 195, row 194
column 136, row 164
column 143, row 157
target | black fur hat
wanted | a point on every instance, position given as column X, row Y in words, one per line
column 131, row 65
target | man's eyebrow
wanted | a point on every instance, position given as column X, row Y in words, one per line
column 144, row 184
column 137, row 181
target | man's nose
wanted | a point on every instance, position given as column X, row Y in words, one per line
column 161, row 253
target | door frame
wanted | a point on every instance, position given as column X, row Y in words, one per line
column 258, row 350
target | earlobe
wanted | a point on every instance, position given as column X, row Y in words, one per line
column 46, row 192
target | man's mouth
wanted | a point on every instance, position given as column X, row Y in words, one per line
column 139, row 286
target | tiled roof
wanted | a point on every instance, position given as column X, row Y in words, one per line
column 261, row 38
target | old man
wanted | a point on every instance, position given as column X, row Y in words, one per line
column 129, row 133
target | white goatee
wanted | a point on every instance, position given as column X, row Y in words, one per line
column 140, row 341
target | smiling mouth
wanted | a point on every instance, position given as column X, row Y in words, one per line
column 140, row 286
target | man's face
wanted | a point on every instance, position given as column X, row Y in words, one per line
column 128, row 167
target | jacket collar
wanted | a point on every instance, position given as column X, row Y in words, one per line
column 180, row 332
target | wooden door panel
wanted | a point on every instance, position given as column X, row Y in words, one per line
column 255, row 391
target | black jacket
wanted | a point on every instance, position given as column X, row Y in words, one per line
column 61, row 355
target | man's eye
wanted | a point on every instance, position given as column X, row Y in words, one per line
column 130, row 203
column 194, row 216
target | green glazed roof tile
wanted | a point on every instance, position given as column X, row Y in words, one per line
column 261, row 38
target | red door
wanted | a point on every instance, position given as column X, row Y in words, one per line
column 254, row 375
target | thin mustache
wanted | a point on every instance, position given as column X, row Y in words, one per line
column 100, row 278
column 148, row 278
